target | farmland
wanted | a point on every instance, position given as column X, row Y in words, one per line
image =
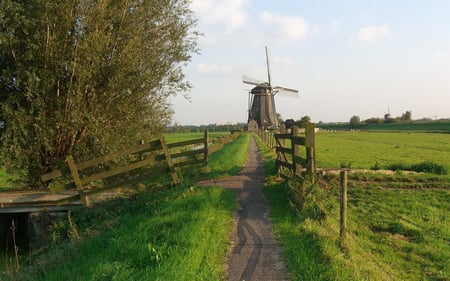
column 365, row 150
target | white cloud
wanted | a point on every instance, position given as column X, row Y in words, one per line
column 285, row 27
column 212, row 69
column 371, row 33
column 228, row 13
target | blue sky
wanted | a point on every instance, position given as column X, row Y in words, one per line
column 346, row 57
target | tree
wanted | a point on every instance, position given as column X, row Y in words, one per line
column 355, row 121
column 87, row 77
column 303, row 121
column 407, row 116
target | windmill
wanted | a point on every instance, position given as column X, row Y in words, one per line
column 261, row 100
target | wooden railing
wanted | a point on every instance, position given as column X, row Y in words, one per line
column 289, row 154
column 140, row 163
column 291, row 160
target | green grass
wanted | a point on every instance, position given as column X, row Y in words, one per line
column 364, row 150
column 180, row 233
column 177, row 234
column 177, row 137
column 394, row 234
column 432, row 126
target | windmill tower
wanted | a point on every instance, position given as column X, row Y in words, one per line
column 261, row 100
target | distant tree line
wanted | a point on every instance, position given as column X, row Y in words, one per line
column 356, row 121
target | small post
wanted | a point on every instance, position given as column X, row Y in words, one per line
column 310, row 149
column 205, row 144
column 295, row 150
column 76, row 178
column 343, row 208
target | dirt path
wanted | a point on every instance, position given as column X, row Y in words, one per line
column 256, row 254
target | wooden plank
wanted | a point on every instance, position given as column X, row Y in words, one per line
column 51, row 175
column 154, row 172
column 309, row 135
column 169, row 161
column 285, row 164
column 76, row 179
column 343, row 208
column 141, row 148
column 284, row 150
column 184, row 143
column 205, row 147
column 299, row 160
column 117, row 171
column 282, row 136
column 299, row 140
column 188, row 153
column 284, row 176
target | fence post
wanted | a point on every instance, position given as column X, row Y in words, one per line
column 205, row 144
column 169, row 161
column 310, row 149
column 343, row 208
column 295, row 151
column 76, row 178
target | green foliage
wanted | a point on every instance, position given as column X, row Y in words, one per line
column 304, row 196
column 85, row 78
column 355, row 121
column 425, row 167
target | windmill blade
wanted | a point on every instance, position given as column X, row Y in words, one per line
column 286, row 91
column 268, row 67
column 248, row 80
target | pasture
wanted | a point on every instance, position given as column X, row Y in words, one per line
column 366, row 150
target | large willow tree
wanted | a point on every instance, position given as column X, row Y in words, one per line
column 85, row 77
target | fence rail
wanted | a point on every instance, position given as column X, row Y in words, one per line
column 145, row 161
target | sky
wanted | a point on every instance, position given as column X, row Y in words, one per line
column 346, row 57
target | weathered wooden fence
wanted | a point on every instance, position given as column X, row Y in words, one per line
column 134, row 165
column 292, row 160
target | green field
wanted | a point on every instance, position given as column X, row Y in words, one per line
column 431, row 126
column 364, row 150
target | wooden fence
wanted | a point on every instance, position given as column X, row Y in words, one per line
column 291, row 160
column 134, row 165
